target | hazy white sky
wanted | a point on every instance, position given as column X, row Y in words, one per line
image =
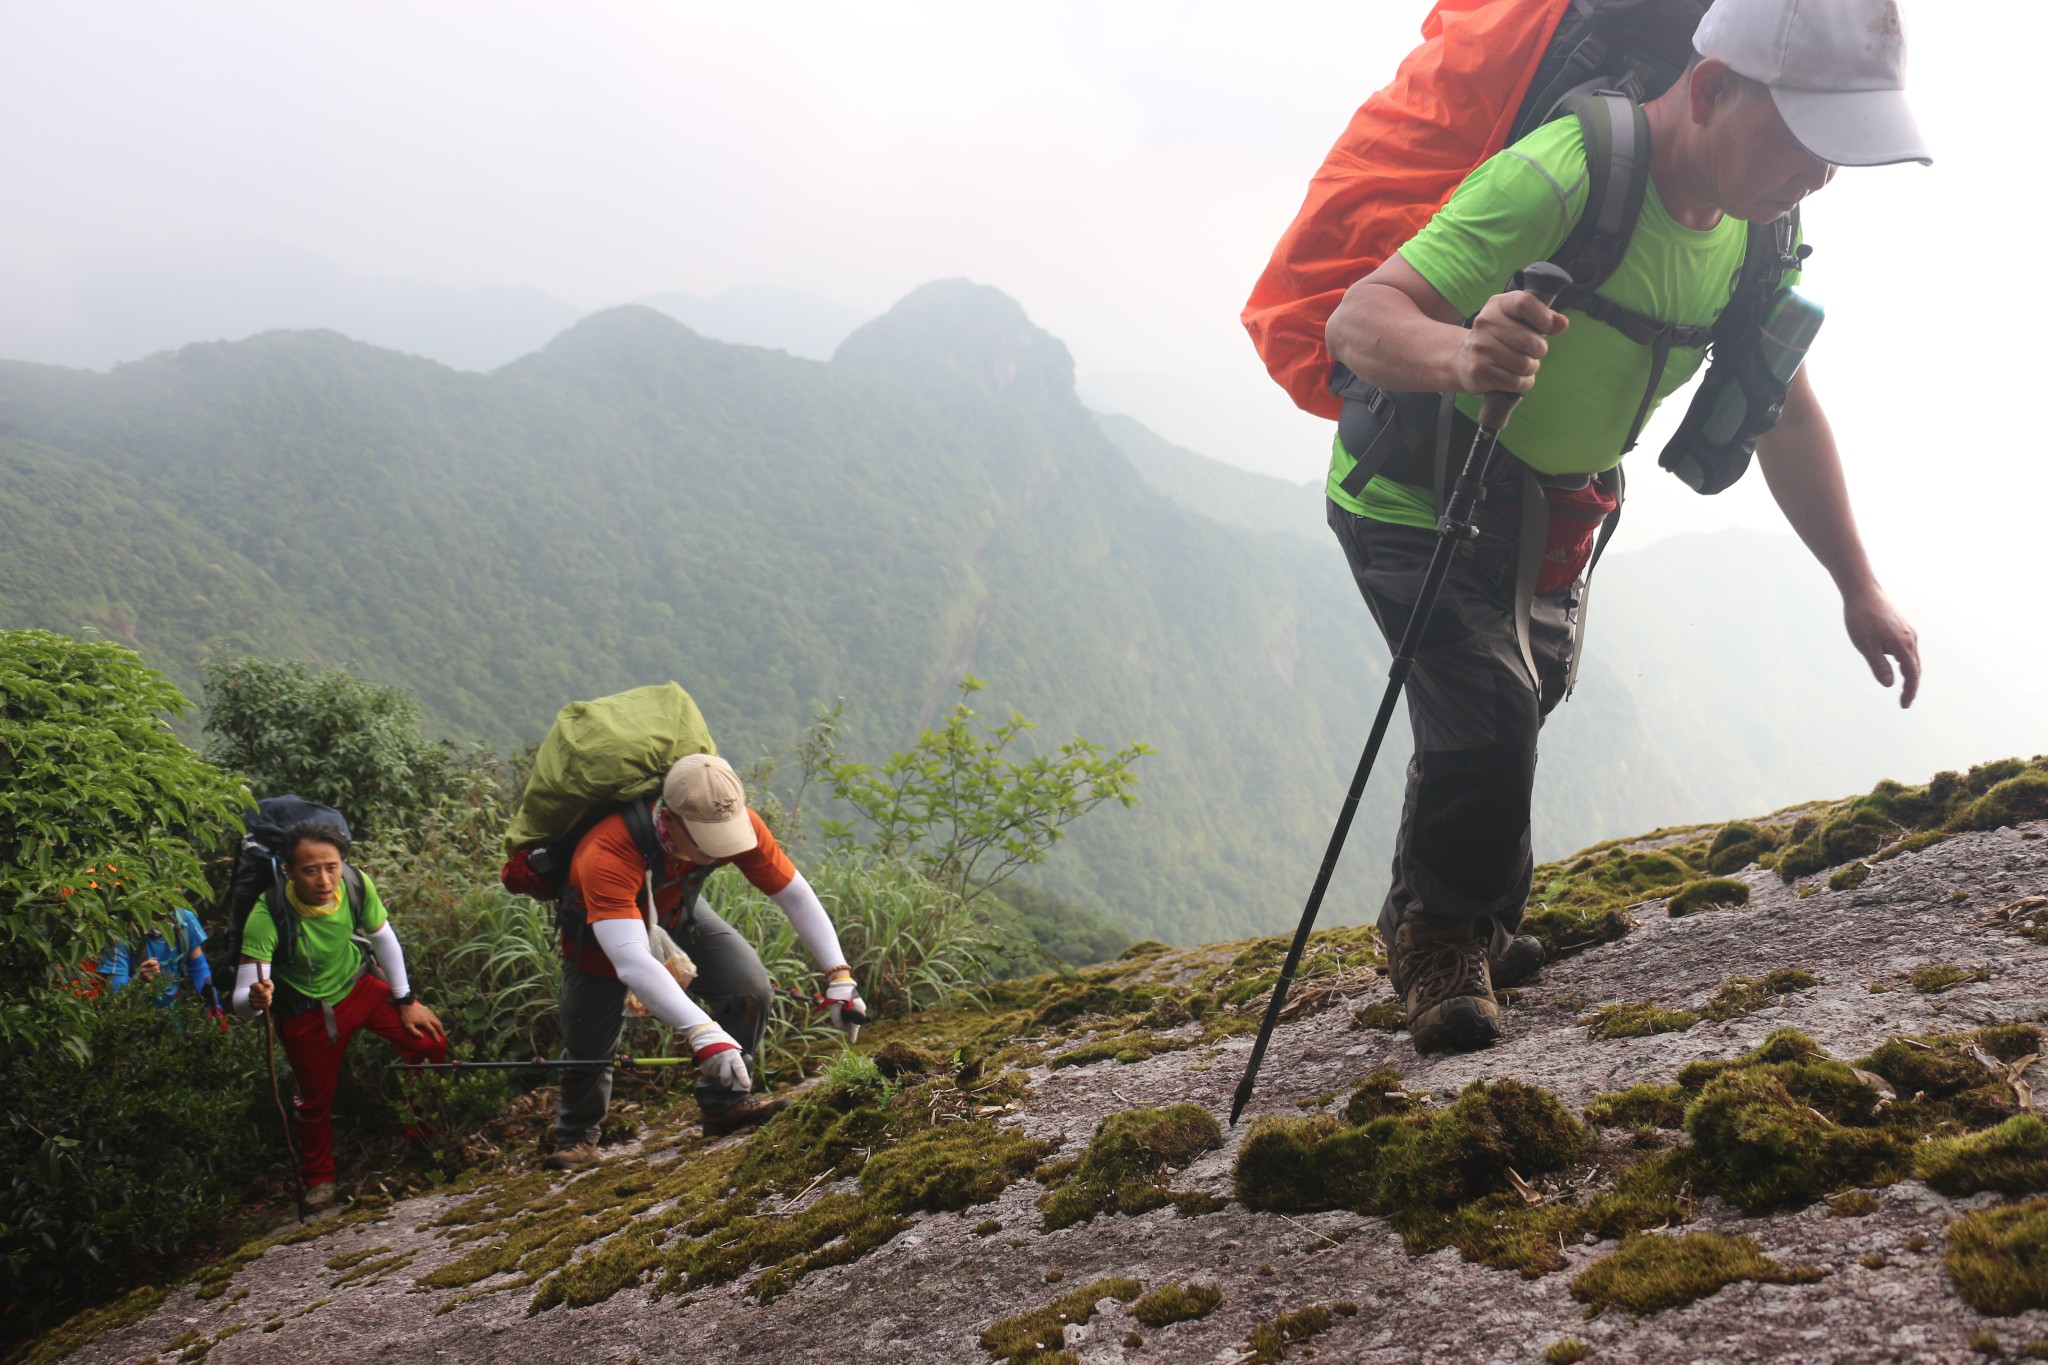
column 1121, row 169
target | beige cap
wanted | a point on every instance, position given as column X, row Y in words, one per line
column 706, row 793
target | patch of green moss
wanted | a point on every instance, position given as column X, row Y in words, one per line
column 950, row 1166
column 618, row 1264
column 1568, row 1351
column 1124, row 1166
column 1440, row 1177
column 1781, row 1136
column 1740, row 843
column 1638, row 1019
column 1578, row 904
column 1849, row 876
column 1652, row 1272
column 703, row 1216
column 1740, row 995
column 1706, row 894
column 1123, row 1047
column 1998, row 1258
column 82, row 1329
column 1893, row 815
column 1639, row 1106
column 1388, row 1016
column 2011, row 1158
column 1938, row 977
column 1853, row 1204
column 1378, row 1095
column 1034, row 1338
column 1270, row 1341
column 1171, row 1303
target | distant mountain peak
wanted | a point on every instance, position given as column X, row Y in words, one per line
column 973, row 330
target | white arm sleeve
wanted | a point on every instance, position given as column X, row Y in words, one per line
column 807, row 917
column 391, row 958
column 625, row 942
column 245, row 977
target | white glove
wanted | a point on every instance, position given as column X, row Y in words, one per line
column 845, row 998
column 720, row 1059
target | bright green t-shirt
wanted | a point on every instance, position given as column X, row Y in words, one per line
column 1518, row 207
column 327, row 959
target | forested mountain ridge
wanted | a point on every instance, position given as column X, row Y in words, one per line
column 635, row 502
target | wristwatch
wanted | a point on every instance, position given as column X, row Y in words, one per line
column 401, row 1001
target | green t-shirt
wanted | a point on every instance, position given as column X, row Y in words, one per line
column 327, row 959
column 1518, row 207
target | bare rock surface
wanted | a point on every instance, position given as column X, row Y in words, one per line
column 928, row 1293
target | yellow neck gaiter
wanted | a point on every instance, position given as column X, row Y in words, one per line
column 291, row 893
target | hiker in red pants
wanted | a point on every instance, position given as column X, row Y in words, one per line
column 322, row 993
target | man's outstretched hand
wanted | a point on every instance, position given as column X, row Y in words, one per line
column 1880, row 635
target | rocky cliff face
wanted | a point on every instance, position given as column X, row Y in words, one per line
column 1057, row 1153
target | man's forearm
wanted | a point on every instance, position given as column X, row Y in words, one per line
column 1804, row 471
column 1380, row 335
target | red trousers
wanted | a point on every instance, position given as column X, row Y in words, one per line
column 316, row 1062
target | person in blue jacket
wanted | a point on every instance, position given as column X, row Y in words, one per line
column 172, row 955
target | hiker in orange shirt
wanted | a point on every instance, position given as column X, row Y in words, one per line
column 641, row 867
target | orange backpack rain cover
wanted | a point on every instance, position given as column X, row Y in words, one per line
column 1448, row 108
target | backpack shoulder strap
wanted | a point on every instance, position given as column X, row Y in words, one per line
column 639, row 818
column 1617, row 138
column 357, row 897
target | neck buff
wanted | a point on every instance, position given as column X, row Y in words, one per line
column 665, row 839
column 291, row 893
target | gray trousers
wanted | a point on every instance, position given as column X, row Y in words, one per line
column 731, row 985
column 1463, row 845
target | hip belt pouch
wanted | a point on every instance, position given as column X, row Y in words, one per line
column 1576, row 515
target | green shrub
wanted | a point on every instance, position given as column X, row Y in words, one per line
column 100, row 810
column 329, row 737
column 113, row 1168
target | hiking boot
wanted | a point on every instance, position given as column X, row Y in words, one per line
column 1438, row 966
column 1520, row 960
column 569, row 1158
column 745, row 1114
column 319, row 1196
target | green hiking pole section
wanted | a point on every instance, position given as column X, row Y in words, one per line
column 1545, row 281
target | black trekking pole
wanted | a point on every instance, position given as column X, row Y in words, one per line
column 291, row 1143
column 1544, row 280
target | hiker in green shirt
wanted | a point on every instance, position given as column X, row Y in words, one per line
column 1780, row 93
column 322, row 992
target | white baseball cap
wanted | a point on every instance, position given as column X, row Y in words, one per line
column 1836, row 69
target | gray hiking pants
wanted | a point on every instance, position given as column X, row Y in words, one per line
column 1463, row 844
column 731, row 985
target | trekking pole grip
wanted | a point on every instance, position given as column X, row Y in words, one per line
column 1546, row 282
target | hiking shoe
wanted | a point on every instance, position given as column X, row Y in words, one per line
column 1520, row 960
column 569, row 1158
column 319, row 1196
column 1438, row 966
column 748, row 1112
